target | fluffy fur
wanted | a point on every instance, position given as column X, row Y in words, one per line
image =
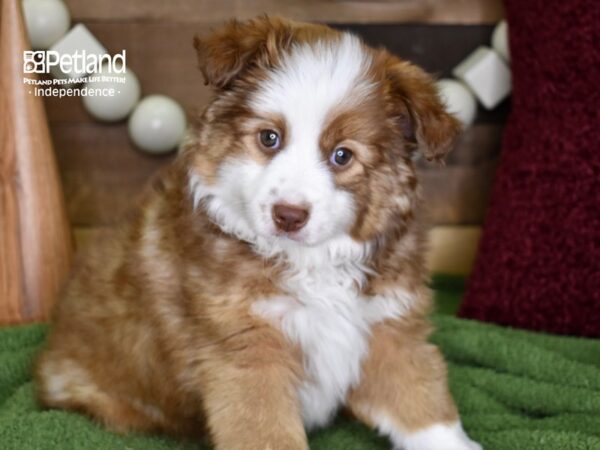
column 202, row 315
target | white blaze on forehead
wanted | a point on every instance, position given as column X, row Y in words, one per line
column 313, row 79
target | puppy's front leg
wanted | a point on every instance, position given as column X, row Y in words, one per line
column 250, row 398
column 403, row 391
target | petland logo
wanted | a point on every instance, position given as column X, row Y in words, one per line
column 78, row 62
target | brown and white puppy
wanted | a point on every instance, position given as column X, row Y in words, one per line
column 275, row 273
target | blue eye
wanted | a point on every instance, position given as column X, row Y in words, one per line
column 270, row 139
column 340, row 156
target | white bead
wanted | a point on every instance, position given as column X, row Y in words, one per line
column 46, row 21
column 487, row 76
column 110, row 108
column 157, row 124
column 500, row 40
column 459, row 100
column 78, row 40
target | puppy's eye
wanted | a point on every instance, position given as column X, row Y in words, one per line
column 340, row 157
column 270, row 139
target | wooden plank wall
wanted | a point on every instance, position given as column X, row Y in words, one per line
column 102, row 172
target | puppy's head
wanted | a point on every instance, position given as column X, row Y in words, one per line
column 311, row 133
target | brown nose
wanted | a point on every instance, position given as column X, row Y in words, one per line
column 289, row 217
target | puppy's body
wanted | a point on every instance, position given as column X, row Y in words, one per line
column 275, row 273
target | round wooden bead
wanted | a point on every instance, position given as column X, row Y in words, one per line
column 157, row 124
column 46, row 20
column 500, row 40
column 107, row 107
column 459, row 100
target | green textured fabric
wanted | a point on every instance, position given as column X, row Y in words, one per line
column 516, row 390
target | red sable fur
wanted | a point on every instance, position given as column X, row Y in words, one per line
column 154, row 330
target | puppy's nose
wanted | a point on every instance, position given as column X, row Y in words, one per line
column 289, row 217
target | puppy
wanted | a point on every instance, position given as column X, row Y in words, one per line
column 275, row 273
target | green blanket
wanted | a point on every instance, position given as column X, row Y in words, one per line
column 516, row 390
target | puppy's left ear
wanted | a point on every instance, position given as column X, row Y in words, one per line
column 423, row 117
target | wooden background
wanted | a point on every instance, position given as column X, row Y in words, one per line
column 102, row 172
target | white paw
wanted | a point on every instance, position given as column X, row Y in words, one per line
column 440, row 437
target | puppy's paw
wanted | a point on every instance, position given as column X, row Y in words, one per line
column 440, row 437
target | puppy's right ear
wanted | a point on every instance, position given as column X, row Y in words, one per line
column 234, row 47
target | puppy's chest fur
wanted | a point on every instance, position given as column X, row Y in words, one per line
column 325, row 314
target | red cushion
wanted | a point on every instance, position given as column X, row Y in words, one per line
column 538, row 265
